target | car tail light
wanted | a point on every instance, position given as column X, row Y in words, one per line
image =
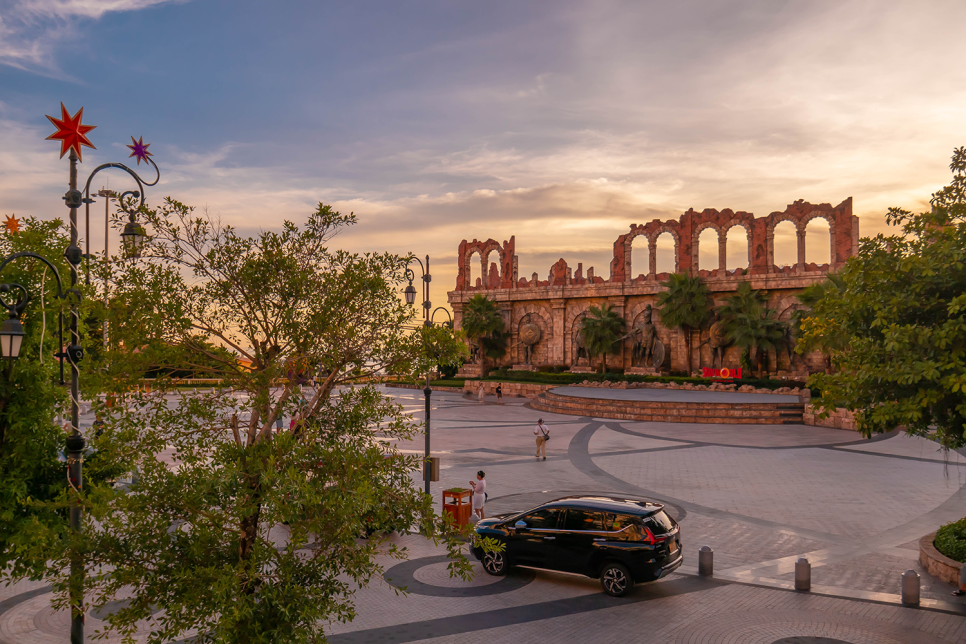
column 651, row 539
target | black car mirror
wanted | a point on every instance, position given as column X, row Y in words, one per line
column 520, row 525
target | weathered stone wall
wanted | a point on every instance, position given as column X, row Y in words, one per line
column 515, row 389
column 558, row 303
column 838, row 419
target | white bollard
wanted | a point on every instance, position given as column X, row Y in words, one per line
column 706, row 561
column 910, row 588
column 803, row 574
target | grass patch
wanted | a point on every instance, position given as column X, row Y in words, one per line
column 951, row 540
column 448, row 382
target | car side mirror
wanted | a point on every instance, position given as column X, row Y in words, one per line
column 520, row 525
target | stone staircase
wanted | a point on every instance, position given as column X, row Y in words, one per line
column 672, row 412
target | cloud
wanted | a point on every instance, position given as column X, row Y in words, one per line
column 32, row 30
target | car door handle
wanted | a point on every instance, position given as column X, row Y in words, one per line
column 601, row 539
column 549, row 538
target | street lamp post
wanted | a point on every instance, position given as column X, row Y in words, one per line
column 72, row 134
column 410, row 294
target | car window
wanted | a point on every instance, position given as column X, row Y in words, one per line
column 617, row 522
column 583, row 520
column 661, row 521
column 542, row 519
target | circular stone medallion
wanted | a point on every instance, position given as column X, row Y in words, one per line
column 436, row 581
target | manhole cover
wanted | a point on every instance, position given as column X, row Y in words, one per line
column 807, row 639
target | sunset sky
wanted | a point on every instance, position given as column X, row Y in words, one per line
column 559, row 122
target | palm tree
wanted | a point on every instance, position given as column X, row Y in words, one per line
column 603, row 329
column 686, row 304
column 751, row 324
column 484, row 325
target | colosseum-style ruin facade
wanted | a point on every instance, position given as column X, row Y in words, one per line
column 558, row 303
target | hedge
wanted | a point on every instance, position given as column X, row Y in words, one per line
column 951, row 540
column 544, row 377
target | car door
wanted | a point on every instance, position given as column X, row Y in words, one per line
column 575, row 541
column 535, row 544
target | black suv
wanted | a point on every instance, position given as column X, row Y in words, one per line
column 619, row 541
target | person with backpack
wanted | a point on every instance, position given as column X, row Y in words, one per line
column 542, row 432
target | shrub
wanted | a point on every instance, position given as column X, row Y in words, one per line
column 951, row 540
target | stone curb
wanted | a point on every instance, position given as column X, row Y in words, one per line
column 936, row 563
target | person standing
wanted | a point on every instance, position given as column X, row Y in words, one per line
column 542, row 432
column 499, row 392
column 479, row 493
column 481, row 392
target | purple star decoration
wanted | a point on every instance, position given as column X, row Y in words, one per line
column 139, row 149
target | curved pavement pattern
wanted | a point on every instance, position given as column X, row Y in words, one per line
column 760, row 496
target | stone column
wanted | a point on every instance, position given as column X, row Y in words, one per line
column 801, row 249
column 556, row 350
column 722, row 253
column 652, row 256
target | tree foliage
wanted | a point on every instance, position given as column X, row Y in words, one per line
column 603, row 329
column 484, row 325
column 239, row 532
column 896, row 327
column 686, row 304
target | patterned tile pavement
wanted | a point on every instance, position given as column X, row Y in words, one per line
column 760, row 496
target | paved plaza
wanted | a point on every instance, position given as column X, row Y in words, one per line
column 760, row 495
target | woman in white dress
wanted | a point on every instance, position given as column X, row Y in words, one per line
column 479, row 493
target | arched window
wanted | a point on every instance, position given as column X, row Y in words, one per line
column 737, row 248
column 639, row 258
column 785, row 244
column 818, row 247
column 708, row 249
column 664, row 252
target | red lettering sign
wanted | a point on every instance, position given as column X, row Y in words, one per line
column 721, row 374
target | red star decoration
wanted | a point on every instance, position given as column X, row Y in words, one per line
column 70, row 132
column 12, row 224
column 139, row 150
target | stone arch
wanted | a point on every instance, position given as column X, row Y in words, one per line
column 773, row 220
column 830, row 220
column 746, row 226
column 483, row 249
column 541, row 316
column 696, row 235
column 652, row 245
column 468, row 268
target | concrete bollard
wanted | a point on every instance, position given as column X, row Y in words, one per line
column 803, row 574
column 910, row 588
column 706, row 561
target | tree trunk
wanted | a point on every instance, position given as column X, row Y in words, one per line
column 687, row 347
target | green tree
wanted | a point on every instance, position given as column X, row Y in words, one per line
column 242, row 533
column 896, row 329
column 752, row 325
column 686, row 304
column 484, row 326
column 603, row 330
column 32, row 488
column 809, row 297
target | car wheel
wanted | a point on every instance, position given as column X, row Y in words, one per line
column 495, row 563
column 616, row 579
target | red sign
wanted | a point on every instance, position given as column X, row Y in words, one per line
column 721, row 374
